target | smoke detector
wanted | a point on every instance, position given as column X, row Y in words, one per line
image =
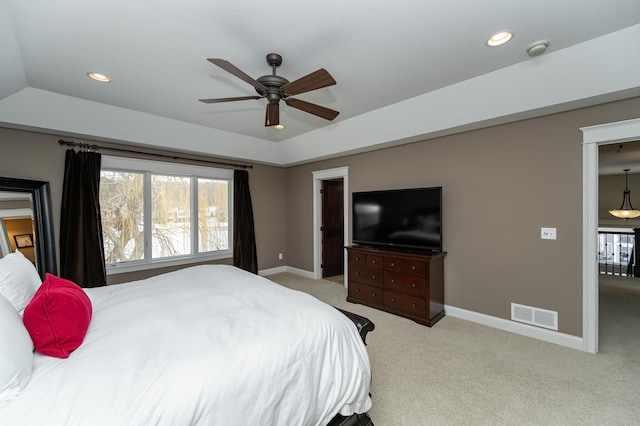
column 537, row 48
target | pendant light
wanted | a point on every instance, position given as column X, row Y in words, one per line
column 626, row 210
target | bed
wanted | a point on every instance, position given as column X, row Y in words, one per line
column 206, row 345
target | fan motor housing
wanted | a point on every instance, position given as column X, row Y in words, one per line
column 273, row 83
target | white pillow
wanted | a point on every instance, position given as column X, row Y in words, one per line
column 19, row 280
column 16, row 352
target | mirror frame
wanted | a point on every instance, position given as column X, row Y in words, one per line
column 44, row 243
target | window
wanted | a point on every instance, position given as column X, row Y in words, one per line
column 155, row 212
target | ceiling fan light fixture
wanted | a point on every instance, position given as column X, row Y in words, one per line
column 275, row 88
column 272, row 117
column 102, row 78
column 499, row 38
column 626, row 210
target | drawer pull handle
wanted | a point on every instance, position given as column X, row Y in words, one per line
column 357, row 290
column 373, row 276
column 357, row 273
column 413, row 268
column 393, row 281
column 373, row 261
column 413, row 305
column 393, row 299
column 393, row 264
column 373, row 294
column 357, row 259
column 413, row 285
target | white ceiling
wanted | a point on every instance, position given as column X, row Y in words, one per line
column 614, row 158
column 405, row 69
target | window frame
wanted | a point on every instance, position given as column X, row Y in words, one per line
column 149, row 168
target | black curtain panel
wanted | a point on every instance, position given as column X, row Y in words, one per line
column 244, row 238
column 81, row 248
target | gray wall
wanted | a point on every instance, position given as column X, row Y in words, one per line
column 500, row 186
column 38, row 156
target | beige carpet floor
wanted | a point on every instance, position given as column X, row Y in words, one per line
column 462, row 373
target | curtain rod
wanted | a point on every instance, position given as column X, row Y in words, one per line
column 131, row 151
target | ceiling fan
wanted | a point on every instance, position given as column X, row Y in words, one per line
column 274, row 88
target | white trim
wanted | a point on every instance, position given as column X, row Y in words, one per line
column 14, row 213
column 550, row 336
column 318, row 177
column 590, row 312
column 592, row 137
column 301, row 272
column 134, row 265
column 290, row 269
column 163, row 167
column 545, row 335
column 272, row 271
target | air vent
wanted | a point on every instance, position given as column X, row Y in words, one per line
column 534, row 316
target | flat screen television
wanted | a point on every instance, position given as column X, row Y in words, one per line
column 403, row 218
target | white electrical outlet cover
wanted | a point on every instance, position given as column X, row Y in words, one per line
column 548, row 233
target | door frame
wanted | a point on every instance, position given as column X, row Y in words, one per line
column 318, row 177
column 592, row 138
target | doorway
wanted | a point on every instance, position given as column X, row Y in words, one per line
column 593, row 137
column 318, row 178
column 332, row 228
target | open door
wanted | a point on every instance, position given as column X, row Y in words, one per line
column 332, row 228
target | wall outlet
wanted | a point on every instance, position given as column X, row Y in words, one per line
column 279, row 256
column 548, row 233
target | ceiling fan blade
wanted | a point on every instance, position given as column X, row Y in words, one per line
column 238, row 98
column 316, row 80
column 229, row 67
column 273, row 115
column 320, row 111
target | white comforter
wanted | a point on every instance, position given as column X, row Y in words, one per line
column 207, row 345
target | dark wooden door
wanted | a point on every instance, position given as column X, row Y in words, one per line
column 332, row 228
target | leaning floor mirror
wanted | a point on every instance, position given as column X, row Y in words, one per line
column 26, row 222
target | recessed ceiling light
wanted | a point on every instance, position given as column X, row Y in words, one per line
column 278, row 126
column 99, row 77
column 499, row 38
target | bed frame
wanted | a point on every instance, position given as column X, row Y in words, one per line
column 364, row 326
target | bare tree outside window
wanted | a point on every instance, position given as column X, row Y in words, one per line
column 123, row 212
column 213, row 215
column 121, row 204
column 171, row 216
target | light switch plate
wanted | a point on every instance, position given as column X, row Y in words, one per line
column 548, row 233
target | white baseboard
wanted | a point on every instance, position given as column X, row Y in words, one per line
column 271, row 271
column 550, row 336
column 301, row 272
column 279, row 269
column 545, row 335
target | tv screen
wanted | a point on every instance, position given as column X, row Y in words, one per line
column 406, row 218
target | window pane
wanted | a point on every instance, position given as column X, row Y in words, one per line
column 213, row 215
column 170, row 216
column 121, row 206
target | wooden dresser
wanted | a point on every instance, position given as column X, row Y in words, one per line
column 406, row 283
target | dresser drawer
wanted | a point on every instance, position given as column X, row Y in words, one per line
column 405, row 304
column 365, row 293
column 393, row 264
column 375, row 261
column 357, row 259
column 407, row 266
column 405, row 283
column 362, row 274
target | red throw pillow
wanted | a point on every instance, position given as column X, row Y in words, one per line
column 57, row 317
